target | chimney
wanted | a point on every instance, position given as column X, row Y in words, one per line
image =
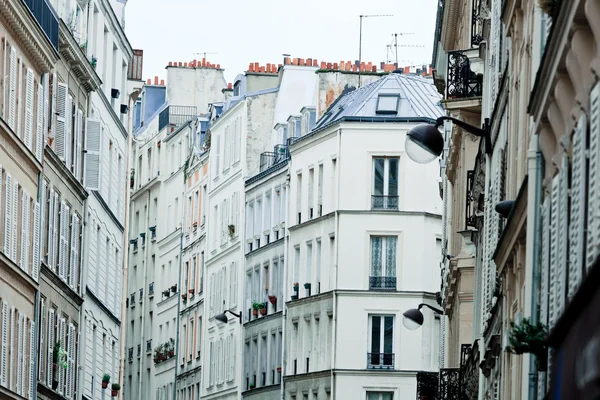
column 156, row 80
column 162, row 82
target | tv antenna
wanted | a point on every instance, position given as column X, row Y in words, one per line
column 395, row 44
column 360, row 37
column 204, row 53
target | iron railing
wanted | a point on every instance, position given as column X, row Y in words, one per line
column 476, row 24
column 148, row 346
column 382, row 283
column 175, row 116
column 384, row 202
column 427, row 385
column 132, row 300
column 130, row 354
column 470, row 203
column 139, row 350
column 461, row 81
column 269, row 158
column 151, row 289
column 380, row 360
column 449, row 388
column 44, row 15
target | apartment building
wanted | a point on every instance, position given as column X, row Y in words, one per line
column 362, row 217
column 29, row 32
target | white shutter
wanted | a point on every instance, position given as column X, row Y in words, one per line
column 51, row 343
column 40, row 131
column 35, row 266
column 74, row 262
column 64, row 231
column 71, row 363
column 43, row 213
column 563, row 237
column 41, row 327
column 51, row 255
column 93, row 141
column 61, row 110
column 5, row 346
column 29, row 85
column 12, row 88
column 212, row 294
column 61, row 369
column 32, row 380
column 234, row 291
column 114, row 183
column 11, row 345
column 19, row 352
column 15, row 218
column 8, row 214
column 554, row 251
column 92, row 259
column 578, row 195
column 593, row 218
column 78, row 139
column 24, row 231
column 69, row 132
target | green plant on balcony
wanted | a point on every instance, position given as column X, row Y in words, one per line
column 115, row 389
column 526, row 337
column 105, row 380
column 93, row 62
column 255, row 307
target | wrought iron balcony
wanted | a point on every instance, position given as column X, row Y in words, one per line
column 130, row 354
column 148, row 346
column 382, row 283
column 380, row 360
column 269, row 158
column 151, row 289
column 427, row 385
column 476, row 24
column 470, row 203
column 384, row 202
column 176, row 116
column 461, row 82
column 449, row 386
column 139, row 350
column 44, row 14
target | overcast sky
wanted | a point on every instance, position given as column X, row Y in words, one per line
column 241, row 31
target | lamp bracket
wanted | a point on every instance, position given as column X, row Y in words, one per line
column 435, row 310
column 483, row 132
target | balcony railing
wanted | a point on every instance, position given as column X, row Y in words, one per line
column 461, row 81
column 450, row 388
column 270, row 158
column 176, row 116
column 151, row 289
column 427, row 385
column 476, row 24
column 139, row 350
column 384, row 202
column 44, row 14
column 470, row 203
column 382, row 283
column 130, row 354
column 380, row 360
column 148, row 346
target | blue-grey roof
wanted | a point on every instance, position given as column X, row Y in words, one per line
column 418, row 99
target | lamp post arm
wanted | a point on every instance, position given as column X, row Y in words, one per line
column 479, row 132
column 435, row 310
column 235, row 315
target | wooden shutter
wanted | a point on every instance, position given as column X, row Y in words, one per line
column 69, row 132
column 61, row 110
column 62, row 250
column 51, row 229
column 24, row 231
column 74, row 262
column 12, row 88
column 15, row 218
column 32, row 380
column 5, row 346
column 78, row 149
column 40, row 128
column 71, row 363
column 29, row 98
column 8, row 214
column 577, row 214
column 92, row 154
column 92, row 258
column 51, row 342
column 114, row 183
column 62, row 337
column 11, row 347
column 554, row 250
column 35, row 265
column 41, row 326
column 234, row 273
column 19, row 352
column 593, row 216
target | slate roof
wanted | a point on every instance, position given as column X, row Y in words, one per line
column 418, row 99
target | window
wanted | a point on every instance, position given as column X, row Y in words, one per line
column 385, row 183
column 383, row 262
column 381, row 342
column 320, row 192
column 299, row 198
column 311, row 193
column 309, row 252
column 387, row 104
column 380, row 396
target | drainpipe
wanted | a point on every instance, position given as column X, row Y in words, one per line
column 142, row 351
column 178, row 300
column 286, row 241
column 335, row 266
column 535, row 156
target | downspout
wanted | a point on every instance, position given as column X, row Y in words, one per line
column 539, row 176
column 178, row 308
column 335, row 266
column 284, row 291
column 144, row 302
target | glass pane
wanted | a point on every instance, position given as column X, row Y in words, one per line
column 390, row 256
column 387, row 396
column 378, row 176
column 393, row 177
column 376, row 244
column 388, row 335
column 387, row 103
column 375, row 334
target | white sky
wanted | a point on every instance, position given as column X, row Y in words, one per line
column 242, row 31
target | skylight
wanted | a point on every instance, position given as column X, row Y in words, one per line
column 387, row 104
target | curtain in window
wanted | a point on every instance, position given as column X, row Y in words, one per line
column 390, row 256
column 376, row 248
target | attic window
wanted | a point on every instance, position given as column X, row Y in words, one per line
column 387, row 104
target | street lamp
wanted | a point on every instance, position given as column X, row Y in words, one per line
column 413, row 318
column 223, row 318
column 424, row 143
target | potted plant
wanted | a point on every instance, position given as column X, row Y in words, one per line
column 105, row 380
column 251, row 386
column 166, row 293
column 170, row 346
column 294, row 297
column 526, row 337
column 174, row 288
column 255, row 307
column 115, row 389
column 273, row 299
column 263, row 309
column 191, row 291
column 184, row 296
column 279, row 369
column 93, row 62
column 296, row 286
column 307, row 285
column 231, row 230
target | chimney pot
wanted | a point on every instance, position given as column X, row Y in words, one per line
column 268, row 67
column 301, row 61
column 309, row 62
column 162, row 82
column 374, row 68
column 203, row 62
column 329, row 66
column 323, row 65
column 180, row 64
column 261, row 69
column 218, row 66
column 335, row 66
column 170, row 63
column 156, row 80
column 251, row 67
column 315, row 63
column 279, row 66
column 185, row 65
column 287, row 61
column 230, row 85
column 149, row 81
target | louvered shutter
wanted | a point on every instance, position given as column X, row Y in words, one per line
column 92, row 257
column 8, row 214
column 119, row 277
column 51, row 343
column 554, row 251
column 115, row 180
column 212, row 294
column 51, row 255
column 32, row 380
column 15, row 218
column 24, row 340
column 19, row 352
column 235, row 284
column 35, row 265
column 577, row 214
column 69, row 132
column 41, row 327
column 78, row 139
column 4, row 371
column 61, row 369
column 40, row 130
column 61, row 111
column 111, row 267
column 56, row 237
column 29, row 88
column 593, row 217
column 24, row 231
column 64, row 215
column 11, row 349
column 71, row 363
column 563, row 228
column 43, row 213
column 12, row 88
column 74, row 262
column 93, row 140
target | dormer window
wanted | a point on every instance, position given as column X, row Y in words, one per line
column 387, row 104
column 237, row 88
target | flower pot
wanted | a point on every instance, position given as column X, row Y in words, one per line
column 171, row 353
column 279, row 369
column 191, row 291
column 115, row 393
column 273, row 300
column 254, row 312
column 294, row 297
column 54, row 384
column 104, row 385
column 263, row 311
column 307, row 286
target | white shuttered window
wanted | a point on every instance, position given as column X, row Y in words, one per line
column 93, row 142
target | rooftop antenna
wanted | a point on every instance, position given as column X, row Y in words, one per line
column 360, row 37
column 204, row 53
column 395, row 35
